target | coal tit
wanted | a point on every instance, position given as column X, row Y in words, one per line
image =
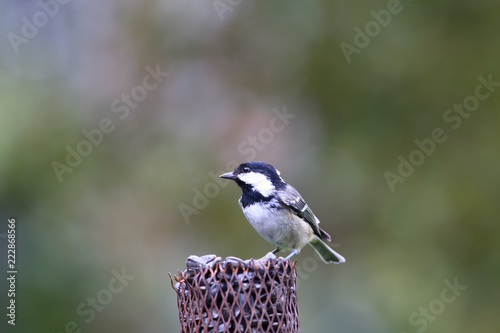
column 277, row 211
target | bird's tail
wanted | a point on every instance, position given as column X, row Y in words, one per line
column 325, row 252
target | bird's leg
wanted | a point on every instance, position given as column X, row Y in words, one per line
column 294, row 252
column 276, row 250
column 269, row 255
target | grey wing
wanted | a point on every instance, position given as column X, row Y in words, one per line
column 291, row 198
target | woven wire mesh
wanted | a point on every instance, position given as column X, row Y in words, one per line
column 237, row 296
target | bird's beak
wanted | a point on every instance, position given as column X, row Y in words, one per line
column 228, row 175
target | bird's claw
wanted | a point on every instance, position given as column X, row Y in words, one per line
column 267, row 257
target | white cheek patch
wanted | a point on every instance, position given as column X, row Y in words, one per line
column 259, row 182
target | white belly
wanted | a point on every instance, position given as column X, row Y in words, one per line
column 283, row 229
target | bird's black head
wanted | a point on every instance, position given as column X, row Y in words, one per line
column 256, row 176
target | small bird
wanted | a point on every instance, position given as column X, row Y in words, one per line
column 277, row 211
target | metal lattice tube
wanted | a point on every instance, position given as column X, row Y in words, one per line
column 237, row 296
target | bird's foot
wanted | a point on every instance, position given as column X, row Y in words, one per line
column 268, row 256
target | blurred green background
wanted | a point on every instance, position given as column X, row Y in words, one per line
column 131, row 200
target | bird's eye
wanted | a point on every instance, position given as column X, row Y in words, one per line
column 246, row 169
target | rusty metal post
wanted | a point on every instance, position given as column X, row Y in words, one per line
column 237, row 296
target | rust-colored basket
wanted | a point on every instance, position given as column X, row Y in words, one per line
column 237, row 296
